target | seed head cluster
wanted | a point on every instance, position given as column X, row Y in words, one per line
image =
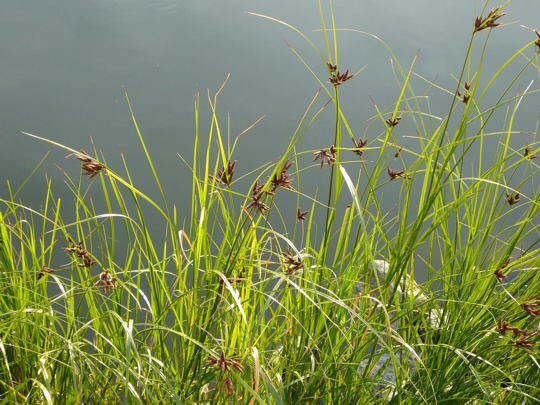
column 327, row 156
column 532, row 307
column 256, row 199
column 282, row 179
column 44, row 270
column 89, row 166
column 359, row 144
column 79, row 250
column 392, row 122
column 527, row 153
column 225, row 175
column 394, row 174
column 106, row 281
column 498, row 273
column 226, row 365
column 301, row 215
column 512, row 198
column 522, row 336
column 489, row 21
column 292, row 263
column 336, row 77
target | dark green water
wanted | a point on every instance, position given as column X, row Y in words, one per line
column 64, row 63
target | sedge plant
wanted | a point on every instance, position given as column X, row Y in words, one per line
column 247, row 302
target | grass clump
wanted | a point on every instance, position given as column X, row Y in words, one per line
column 247, row 302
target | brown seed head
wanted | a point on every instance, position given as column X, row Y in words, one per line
column 79, row 250
column 224, row 364
column 512, row 199
column 532, row 307
column 394, row 174
column 337, row 78
column 257, row 189
column 88, row 261
column 524, row 342
column 292, row 263
column 228, row 386
column 504, row 326
column 106, row 281
column 464, row 97
column 331, row 68
column 226, row 174
column 498, row 273
column 89, row 166
column 326, row 156
column 301, row 216
column 282, row 180
column 44, row 270
column 257, row 203
column 490, row 21
column 527, row 153
column 256, row 199
column 359, row 144
column 392, row 122
column 233, row 280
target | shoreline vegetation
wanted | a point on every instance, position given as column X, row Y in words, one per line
column 238, row 303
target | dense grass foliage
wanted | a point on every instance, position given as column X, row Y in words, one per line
column 247, row 301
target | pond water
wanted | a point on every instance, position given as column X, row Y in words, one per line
column 64, row 63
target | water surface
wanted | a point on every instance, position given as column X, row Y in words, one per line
column 64, row 63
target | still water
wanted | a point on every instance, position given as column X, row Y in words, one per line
column 64, row 63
